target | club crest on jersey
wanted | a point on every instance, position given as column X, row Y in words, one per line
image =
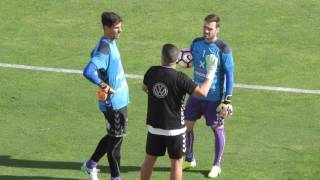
column 160, row 90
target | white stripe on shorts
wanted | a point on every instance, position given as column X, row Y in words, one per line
column 165, row 132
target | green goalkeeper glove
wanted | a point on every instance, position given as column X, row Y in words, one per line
column 211, row 65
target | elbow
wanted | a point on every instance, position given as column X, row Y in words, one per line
column 204, row 91
column 200, row 93
column 85, row 73
column 89, row 71
column 204, row 94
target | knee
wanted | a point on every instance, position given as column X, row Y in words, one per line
column 189, row 125
column 216, row 127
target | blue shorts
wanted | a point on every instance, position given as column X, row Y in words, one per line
column 195, row 108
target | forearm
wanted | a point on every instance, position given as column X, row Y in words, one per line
column 90, row 73
column 203, row 89
column 229, row 82
column 229, row 72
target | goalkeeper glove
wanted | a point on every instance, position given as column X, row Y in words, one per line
column 103, row 91
column 211, row 65
column 225, row 108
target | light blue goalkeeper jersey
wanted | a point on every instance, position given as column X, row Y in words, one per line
column 223, row 80
column 105, row 65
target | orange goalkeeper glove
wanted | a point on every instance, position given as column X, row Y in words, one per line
column 103, row 91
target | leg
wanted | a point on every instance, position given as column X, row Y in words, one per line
column 219, row 148
column 176, row 169
column 114, row 155
column 219, row 144
column 147, row 167
column 155, row 147
column 192, row 113
column 176, row 150
column 116, row 123
column 90, row 166
column 213, row 120
column 189, row 140
column 100, row 151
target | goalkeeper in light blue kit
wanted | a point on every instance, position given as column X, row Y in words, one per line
column 217, row 105
column 106, row 72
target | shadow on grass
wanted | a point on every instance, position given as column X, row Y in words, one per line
column 203, row 172
column 7, row 177
column 6, row 160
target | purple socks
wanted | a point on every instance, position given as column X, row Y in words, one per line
column 91, row 164
column 219, row 145
column 189, row 153
column 116, row 178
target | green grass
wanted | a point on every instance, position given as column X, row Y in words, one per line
column 50, row 122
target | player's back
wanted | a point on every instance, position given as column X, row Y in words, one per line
column 165, row 97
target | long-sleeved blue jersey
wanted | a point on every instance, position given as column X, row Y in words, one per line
column 105, row 66
column 223, row 80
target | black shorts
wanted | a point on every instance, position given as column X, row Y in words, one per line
column 116, row 121
column 157, row 145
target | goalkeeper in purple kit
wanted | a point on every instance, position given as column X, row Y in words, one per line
column 217, row 105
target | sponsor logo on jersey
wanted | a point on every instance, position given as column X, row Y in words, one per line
column 160, row 90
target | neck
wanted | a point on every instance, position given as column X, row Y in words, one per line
column 110, row 38
column 171, row 65
column 211, row 40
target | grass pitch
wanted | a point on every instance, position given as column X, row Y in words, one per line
column 50, row 122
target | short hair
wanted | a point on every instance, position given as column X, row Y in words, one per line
column 110, row 18
column 213, row 18
column 169, row 54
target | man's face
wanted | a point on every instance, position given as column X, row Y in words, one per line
column 114, row 31
column 210, row 31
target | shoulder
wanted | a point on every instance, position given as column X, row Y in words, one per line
column 151, row 69
column 182, row 76
column 104, row 46
column 223, row 46
column 197, row 40
column 185, row 83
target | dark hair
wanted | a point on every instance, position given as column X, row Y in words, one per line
column 169, row 54
column 213, row 18
column 110, row 18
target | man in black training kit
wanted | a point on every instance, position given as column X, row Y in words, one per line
column 166, row 89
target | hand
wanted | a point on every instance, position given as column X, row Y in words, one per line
column 103, row 85
column 103, row 91
column 106, row 87
column 211, row 65
column 225, row 108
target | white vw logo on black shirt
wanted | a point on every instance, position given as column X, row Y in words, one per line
column 160, row 90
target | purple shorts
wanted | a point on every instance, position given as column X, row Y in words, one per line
column 195, row 108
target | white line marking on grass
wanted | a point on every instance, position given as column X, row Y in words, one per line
column 272, row 88
column 59, row 70
column 136, row 76
column 39, row 68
